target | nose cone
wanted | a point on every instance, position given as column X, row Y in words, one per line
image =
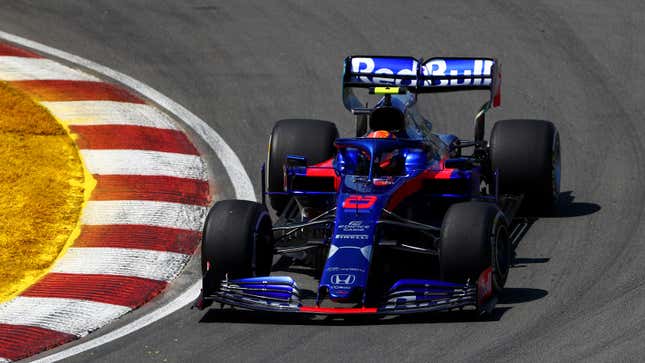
column 344, row 277
column 345, row 284
column 351, row 295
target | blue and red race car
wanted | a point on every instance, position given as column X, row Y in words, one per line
column 395, row 220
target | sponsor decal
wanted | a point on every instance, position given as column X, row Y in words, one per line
column 383, row 65
column 353, row 236
column 385, row 181
column 346, row 269
column 359, row 202
column 354, row 226
column 479, row 69
column 370, row 67
column 343, row 279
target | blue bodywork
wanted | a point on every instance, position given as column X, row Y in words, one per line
column 365, row 191
column 359, row 205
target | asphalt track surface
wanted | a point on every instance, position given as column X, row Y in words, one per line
column 577, row 292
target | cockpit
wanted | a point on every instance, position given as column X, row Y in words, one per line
column 388, row 118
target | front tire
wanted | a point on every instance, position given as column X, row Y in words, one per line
column 474, row 236
column 236, row 242
column 313, row 139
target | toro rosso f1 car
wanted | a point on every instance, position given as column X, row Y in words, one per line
column 395, row 220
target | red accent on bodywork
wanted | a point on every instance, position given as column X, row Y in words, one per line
column 497, row 100
column 324, row 170
column 485, row 285
column 359, row 201
column 319, row 310
column 414, row 185
column 441, row 174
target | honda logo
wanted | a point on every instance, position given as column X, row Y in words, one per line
column 343, row 279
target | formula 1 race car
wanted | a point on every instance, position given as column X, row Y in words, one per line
column 395, row 220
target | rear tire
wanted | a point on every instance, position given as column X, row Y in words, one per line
column 313, row 139
column 474, row 236
column 527, row 155
column 236, row 242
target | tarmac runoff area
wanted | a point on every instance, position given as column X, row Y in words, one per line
column 137, row 228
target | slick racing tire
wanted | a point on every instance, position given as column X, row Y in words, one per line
column 237, row 242
column 527, row 155
column 474, row 237
column 313, row 139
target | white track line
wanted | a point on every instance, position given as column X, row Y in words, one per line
column 21, row 69
column 144, row 162
column 147, row 264
column 109, row 113
column 145, row 212
column 71, row 316
column 231, row 162
column 236, row 173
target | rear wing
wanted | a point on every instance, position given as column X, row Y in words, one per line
column 432, row 75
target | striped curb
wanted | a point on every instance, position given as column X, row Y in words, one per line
column 141, row 224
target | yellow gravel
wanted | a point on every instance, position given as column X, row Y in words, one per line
column 42, row 187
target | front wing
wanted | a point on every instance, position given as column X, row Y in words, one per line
column 281, row 294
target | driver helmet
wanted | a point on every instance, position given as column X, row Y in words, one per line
column 381, row 134
column 388, row 161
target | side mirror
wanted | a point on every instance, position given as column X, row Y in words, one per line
column 459, row 163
